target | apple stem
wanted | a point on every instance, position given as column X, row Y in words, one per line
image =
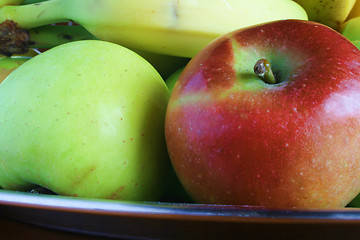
column 262, row 68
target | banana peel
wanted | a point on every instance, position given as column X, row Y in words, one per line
column 332, row 13
column 355, row 11
column 177, row 28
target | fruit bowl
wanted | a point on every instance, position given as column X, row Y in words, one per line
column 164, row 220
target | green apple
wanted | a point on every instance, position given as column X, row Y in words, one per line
column 9, row 64
column 85, row 119
column 356, row 43
column 164, row 64
column 351, row 29
column 172, row 79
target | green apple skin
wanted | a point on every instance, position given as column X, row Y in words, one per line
column 164, row 64
column 351, row 29
column 235, row 139
column 9, row 64
column 172, row 79
column 85, row 119
column 355, row 202
column 357, row 43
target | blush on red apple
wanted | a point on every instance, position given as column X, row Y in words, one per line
column 238, row 133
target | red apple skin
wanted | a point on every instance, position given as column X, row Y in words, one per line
column 289, row 145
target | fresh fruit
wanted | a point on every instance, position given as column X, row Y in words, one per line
column 351, row 29
column 10, row 2
column 52, row 35
column 331, row 13
column 357, row 43
column 179, row 28
column 356, row 201
column 32, row 1
column 31, row 52
column 42, row 37
column 164, row 64
column 85, row 119
column 355, row 11
column 172, row 79
column 270, row 116
column 175, row 192
column 9, row 64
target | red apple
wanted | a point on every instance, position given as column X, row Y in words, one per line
column 237, row 137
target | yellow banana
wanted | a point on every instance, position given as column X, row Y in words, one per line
column 355, row 11
column 329, row 12
column 52, row 35
column 172, row 27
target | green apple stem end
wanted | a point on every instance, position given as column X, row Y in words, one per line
column 262, row 68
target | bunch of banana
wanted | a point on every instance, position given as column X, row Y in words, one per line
column 49, row 36
column 333, row 13
column 171, row 27
column 42, row 37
